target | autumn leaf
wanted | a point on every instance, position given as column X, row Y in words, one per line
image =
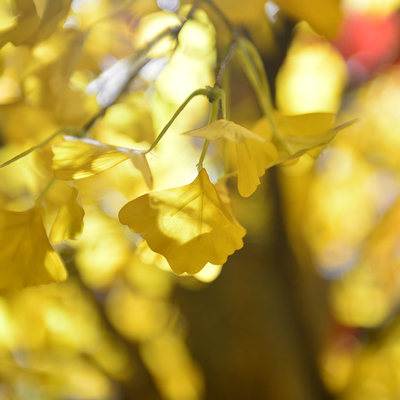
column 299, row 133
column 188, row 225
column 78, row 158
column 254, row 153
column 252, row 161
column 22, row 26
column 225, row 129
column 69, row 220
column 324, row 16
column 27, row 258
column 139, row 161
column 53, row 12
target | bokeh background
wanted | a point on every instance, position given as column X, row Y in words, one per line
column 309, row 308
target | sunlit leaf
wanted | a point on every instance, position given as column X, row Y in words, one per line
column 53, row 12
column 188, row 225
column 81, row 158
column 69, row 221
column 225, row 129
column 299, row 132
column 23, row 25
column 253, row 157
column 27, row 258
column 139, row 161
column 324, row 16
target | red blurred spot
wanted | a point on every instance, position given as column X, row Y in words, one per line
column 369, row 43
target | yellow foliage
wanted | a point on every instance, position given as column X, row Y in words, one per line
column 227, row 130
column 324, row 16
column 23, row 26
column 300, row 133
column 27, row 256
column 81, row 158
column 69, row 221
column 188, row 225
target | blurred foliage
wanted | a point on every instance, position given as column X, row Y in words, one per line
column 289, row 112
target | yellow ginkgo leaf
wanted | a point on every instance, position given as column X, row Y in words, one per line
column 23, row 26
column 299, row 132
column 76, row 158
column 27, row 258
column 69, row 220
column 252, row 160
column 188, row 225
column 253, row 157
column 53, row 12
column 139, row 161
column 225, row 129
column 324, row 16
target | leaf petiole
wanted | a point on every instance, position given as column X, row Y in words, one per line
column 213, row 118
column 71, row 130
column 212, row 94
column 254, row 69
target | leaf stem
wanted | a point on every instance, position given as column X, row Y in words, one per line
column 213, row 118
column 67, row 129
column 254, row 69
column 198, row 92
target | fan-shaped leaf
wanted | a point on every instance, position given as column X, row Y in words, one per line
column 225, row 129
column 69, row 221
column 188, row 225
column 27, row 258
column 81, row 158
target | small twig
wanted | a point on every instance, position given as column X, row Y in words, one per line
column 137, row 55
column 225, row 62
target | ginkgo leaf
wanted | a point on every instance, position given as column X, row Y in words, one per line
column 69, row 220
column 253, row 157
column 80, row 158
column 299, row 132
column 22, row 26
column 139, row 161
column 225, row 129
column 76, row 158
column 324, row 16
column 188, row 225
column 53, row 12
column 27, row 257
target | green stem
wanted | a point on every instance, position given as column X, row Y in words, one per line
column 70, row 130
column 254, row 69
column 213, row 118
column 198, row 92
column 44, row 191
column 203, row 155
column 223, row 104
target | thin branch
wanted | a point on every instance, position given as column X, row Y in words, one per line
column 225, row 62
column 67, row 129
column 135, row 71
